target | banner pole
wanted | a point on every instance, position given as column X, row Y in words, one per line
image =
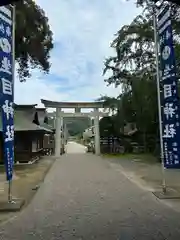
column 13, row 81
column 156, row 48
column 10, row 191
column 13, row 50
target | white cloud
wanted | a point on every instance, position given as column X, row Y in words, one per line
column 82, row 31
column 33, row 90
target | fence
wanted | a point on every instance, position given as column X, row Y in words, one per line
column 111, row 145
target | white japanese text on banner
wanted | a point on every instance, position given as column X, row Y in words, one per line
column 6, row 81
column 169, row 92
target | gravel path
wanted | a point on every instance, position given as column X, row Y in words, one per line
column 84, row 198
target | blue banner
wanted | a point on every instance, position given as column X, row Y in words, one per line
column 6, row 96
column 169, row 92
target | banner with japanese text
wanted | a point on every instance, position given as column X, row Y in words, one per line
column 169, row 91
column 6, row 95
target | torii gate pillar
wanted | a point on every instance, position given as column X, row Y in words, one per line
column 58, row 133
column 96, row 131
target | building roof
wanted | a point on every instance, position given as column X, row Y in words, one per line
column 23, row 123
column 24, row 106
column 46, row 127
column 41, row 117
column 40, row 109
column 51, row 123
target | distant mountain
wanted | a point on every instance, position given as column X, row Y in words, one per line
column 75, row 125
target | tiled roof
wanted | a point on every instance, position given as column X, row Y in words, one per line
column 22, row 122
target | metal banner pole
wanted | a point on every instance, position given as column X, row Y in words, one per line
column 10, row 191
column 13, row 83
column 13, row 47
column 156, row 48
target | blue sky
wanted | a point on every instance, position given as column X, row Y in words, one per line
column 83, row 30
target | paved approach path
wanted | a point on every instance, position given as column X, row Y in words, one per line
column 84, row 198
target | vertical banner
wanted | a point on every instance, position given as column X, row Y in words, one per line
column 6, row 81
column 169, row 92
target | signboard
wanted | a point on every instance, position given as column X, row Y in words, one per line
column 169, row 92
column 6, row 83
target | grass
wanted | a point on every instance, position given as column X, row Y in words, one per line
column 144, row 157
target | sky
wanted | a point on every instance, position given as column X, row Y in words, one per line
column 82, row 32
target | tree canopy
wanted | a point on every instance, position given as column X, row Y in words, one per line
column 33, row 39
column 133, row 68
column 76, row 125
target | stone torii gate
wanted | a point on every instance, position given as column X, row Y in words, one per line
column 77, row 106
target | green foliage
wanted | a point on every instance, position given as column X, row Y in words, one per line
column 106, row 127
column 76, row 125
column 133, row 68
column 33, row 38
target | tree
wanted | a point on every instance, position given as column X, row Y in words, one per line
column 7, row 2
column 106, row 127
column 158, row 1
column 174, row 1
column 76, row 125
column 109, row 103
column 133, row 68
column 33, row 39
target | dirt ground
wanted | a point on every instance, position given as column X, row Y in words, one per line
column 26, row 181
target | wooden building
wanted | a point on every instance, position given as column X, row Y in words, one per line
column 43, row 121
column 28, row 139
